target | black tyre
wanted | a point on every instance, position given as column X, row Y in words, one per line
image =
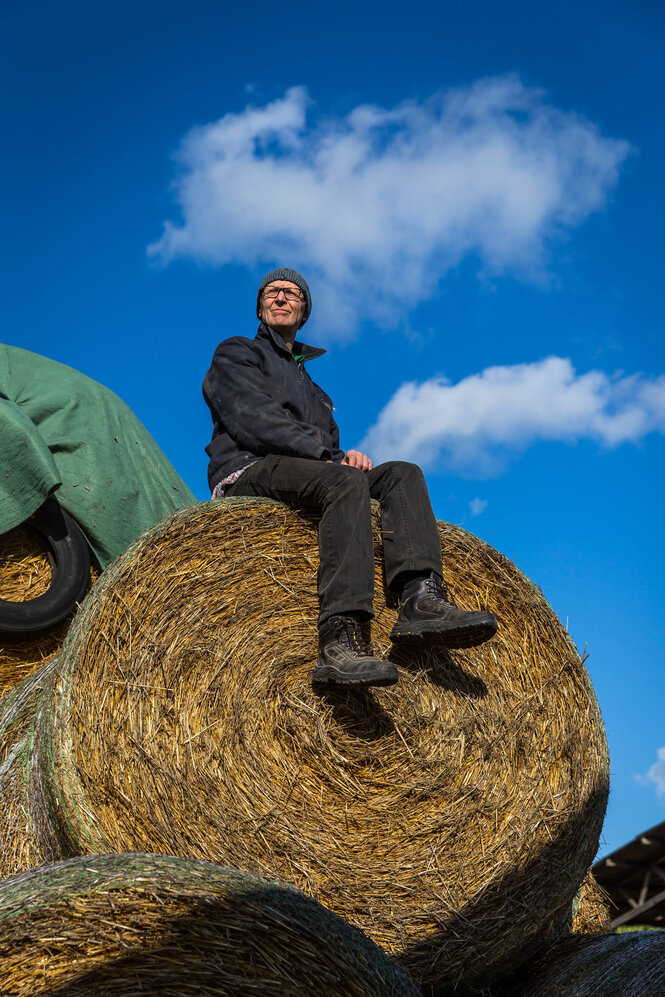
column 69, row 557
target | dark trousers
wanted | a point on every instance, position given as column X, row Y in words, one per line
column 341, row 494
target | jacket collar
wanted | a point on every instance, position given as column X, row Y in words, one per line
column 299, row 349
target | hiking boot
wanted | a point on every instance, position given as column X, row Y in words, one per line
column 345, row 657
column 426, row 615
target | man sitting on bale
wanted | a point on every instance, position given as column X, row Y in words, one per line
column 275, row 436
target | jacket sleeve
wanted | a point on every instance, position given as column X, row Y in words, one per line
column 337, row 454
column 236, row 392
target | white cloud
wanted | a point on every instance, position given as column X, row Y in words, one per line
column 474, row 424
column 656, row 773
column 386, row 201
column 477, row 506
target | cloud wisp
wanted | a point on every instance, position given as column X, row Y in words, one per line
column 656, row 774
column 385, row 201
column 474, row 425
column 477, row 506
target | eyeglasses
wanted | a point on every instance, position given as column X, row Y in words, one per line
column 290, row 293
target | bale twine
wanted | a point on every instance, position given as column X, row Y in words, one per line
column 591, row 908
column 120, row 925
column 27, row 837
column 611, row 965
column 25, row 573
column 451, row 817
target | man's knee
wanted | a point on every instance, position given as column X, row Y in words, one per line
column 346, row 481
column 404, row 470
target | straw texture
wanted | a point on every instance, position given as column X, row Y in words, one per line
column 591, row 909
column 25, row 573
column 123, row 925
column 27, row 837
column 623, row 965
column 451, row 817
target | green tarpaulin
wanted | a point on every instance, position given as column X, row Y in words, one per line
column 62, row 432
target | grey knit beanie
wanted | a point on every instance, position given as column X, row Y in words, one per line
column 285, row 274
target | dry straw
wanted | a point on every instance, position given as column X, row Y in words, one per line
column 611, row 965
column 25, row 573
column 451, row 817
column 27, row 836
column 591, row 909
column 123, row 925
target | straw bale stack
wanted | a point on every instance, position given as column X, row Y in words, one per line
column 25, row 573
column 27, row 837
column 610, row 965
column 120, row 925
column 591, row 909
column 451, row 817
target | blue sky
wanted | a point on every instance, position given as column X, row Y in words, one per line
column 474, row 192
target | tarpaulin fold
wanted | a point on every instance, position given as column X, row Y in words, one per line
column 62, row 433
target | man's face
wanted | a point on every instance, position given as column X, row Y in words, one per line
column 283, row 311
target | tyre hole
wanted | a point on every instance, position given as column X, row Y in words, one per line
column 25, row 565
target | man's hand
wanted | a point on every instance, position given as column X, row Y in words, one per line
column 354, row 458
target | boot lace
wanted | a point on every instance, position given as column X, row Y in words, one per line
column 438, row 588
column 349, row 633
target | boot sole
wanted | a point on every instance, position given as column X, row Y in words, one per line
column 330, row 676
column 426, row 634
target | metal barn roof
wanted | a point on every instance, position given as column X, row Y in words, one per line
column 634, row 877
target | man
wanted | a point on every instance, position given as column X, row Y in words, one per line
column 275, row 436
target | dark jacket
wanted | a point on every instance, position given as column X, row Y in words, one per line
column 263, row 401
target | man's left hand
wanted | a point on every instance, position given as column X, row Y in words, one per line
column 354, row 458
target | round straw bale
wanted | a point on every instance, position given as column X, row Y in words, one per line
column 25, row 573
column 631, row 964
column 120, row 925
column 26, row 835
column 591, row 908
column 451, row 817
